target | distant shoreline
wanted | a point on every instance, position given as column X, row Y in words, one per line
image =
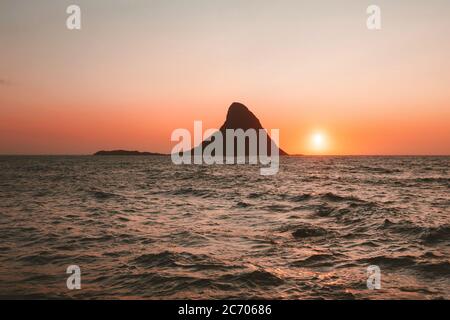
column 168, row 155
column 127, row 153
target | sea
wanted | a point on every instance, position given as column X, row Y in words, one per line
column 140, row 227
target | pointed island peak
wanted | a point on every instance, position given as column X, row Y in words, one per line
column 238, row 106
column 240, row 117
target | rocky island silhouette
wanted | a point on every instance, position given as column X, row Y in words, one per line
column 238, row 117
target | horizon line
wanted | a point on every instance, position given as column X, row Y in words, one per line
column 168, row 154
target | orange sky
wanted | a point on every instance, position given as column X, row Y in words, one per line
column 135, row 72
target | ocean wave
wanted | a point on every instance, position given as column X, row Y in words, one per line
column 329, row 196
column 317, row 260
column 103, row 195
column 43, row 258
column 256, row 195
column 435, row 269
column 393, row 262
column 442, row 180
column 430, row 268
column 436, row 234
column 255, row 278
column 278, row 208
column 307, row 231
column 380, row 170
column 194, row 192
column 47, row 258
column 168, row 259
column 325, row 210
column 430, row 235
column 187, row 238
column 242, row 204
column 301, row 197
column 151, row 284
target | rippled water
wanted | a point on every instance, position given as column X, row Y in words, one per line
column 140, row 227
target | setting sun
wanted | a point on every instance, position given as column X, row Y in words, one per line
column 318, row 142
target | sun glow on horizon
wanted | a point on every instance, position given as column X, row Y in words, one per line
column 318, row 142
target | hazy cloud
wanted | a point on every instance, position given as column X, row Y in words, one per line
column 4, row 82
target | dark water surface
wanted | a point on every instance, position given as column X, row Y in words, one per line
column 141, row 227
